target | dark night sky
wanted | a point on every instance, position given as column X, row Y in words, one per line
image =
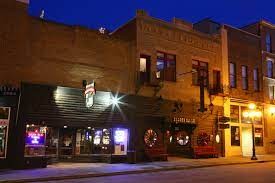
column 111, row 14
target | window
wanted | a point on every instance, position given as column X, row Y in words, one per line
column 232, row 73
column 272, row 92
column 35, row 140
column 234, row 113
column 268, row 43
column 150, row 138
column 244, row 78
column 144, row 69
column 4, row 126
column 166, row 67
column 217, row 79
column 202, row 71
column 269, row 68
column 256, row 79
column 258, row 136
column 235, row 136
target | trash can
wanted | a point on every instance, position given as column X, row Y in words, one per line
column 131, row 157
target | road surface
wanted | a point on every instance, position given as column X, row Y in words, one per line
column 259, row 172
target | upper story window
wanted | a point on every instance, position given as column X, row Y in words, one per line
column 216, row 79
column 166, row 67
column 269, row 65
column 256, row 79
column 202, row 72
column 232, row 73
column 268, row 43
column 244, row 77
column 144, row 69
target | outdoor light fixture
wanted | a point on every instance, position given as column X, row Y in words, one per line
column 65, row 126
column 89, row 127
column 272, row 110
column 252, row 106
column 114, row 100
column 252, row 113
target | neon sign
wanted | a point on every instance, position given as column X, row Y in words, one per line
column 35, row 138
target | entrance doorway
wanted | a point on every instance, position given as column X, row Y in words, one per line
column 247, row 141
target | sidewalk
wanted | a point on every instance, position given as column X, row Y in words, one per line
column 61, row 171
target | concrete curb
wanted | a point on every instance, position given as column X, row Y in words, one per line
column 81, row 176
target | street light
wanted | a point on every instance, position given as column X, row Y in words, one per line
column 252, row 113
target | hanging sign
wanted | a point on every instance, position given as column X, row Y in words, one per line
column 89, row 94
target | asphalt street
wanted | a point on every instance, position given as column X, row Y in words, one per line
column 259, row 172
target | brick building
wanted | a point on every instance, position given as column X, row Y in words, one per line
column 76, row 94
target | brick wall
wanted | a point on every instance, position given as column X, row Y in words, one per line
column 36, row 51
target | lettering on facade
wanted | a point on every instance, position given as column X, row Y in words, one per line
column 179, row 120
column 209, row 45
column 8, row 91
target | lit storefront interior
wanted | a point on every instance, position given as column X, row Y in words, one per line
column 241, row 130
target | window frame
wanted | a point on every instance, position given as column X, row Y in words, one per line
column 233, row 76
column 166, row 60
column 268, row 43
column 235, row 142
column 245, row 78
column 268, row 74
column 256, row 81
column 200, row 68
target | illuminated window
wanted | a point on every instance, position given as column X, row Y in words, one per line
column 144, row 69
column 166, row 67
column 235, row 136
column 150, row 138
column 258, row 136
column 232, row 72
column 244, row 78
column 234, row 113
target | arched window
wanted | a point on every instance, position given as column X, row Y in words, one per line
column 268, row 42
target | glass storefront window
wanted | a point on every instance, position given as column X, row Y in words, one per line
column 150, row 138
column 258, row 136
column 120, row 141
column 235, row 136
column 35, row 140
column 234, row 113
column 66, row 146
column 101, row 141
column 52, row 141
column 182, row 138
column 4, row 126
column 83, row 141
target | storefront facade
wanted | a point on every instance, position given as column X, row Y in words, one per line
column 8, row 110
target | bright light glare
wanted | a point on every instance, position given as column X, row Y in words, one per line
column 272, row 110
column 252, row 106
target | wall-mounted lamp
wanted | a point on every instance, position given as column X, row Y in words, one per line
column 272, row 110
